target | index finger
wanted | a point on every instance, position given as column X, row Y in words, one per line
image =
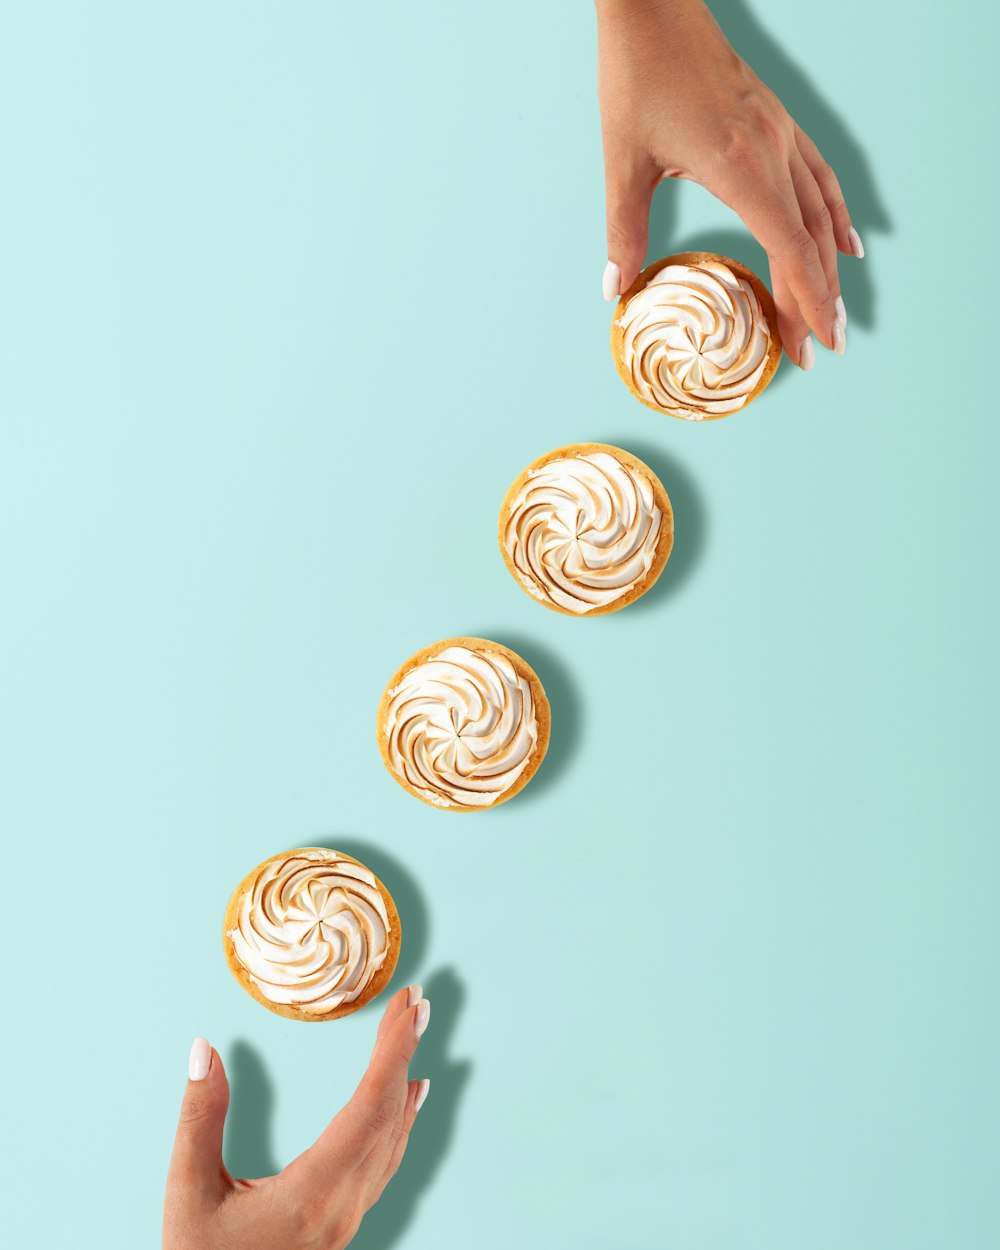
column 378, row 1102
column 769, row 207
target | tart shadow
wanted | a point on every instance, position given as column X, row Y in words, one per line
column 248, row 1150
column 431, row 1137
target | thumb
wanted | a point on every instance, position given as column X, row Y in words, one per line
column 628, row 192
column 196, row 1168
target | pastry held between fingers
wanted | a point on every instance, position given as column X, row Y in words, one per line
column 736, row 350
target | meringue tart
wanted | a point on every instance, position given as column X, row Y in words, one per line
column 312, row 934
column 463, row 724
column 696, row 336
column 586, row 529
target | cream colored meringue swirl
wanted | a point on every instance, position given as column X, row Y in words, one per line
column 312, row 930
column 461, row 727
column 583, row 531
column 695, row 340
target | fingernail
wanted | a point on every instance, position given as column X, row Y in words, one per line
column 422, row 1016
column 423, row 1089
column 857, row 247
column 807, row 355
column 841, row 310
column 611, row 281
column 839, row 338
column 199, row 1060
column 414, row 994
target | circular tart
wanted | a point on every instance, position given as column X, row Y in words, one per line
column 312, row 934
column 586, row 529
column 696, row 336
column 463, row 724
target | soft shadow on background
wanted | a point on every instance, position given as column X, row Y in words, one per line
column 561, row 688
column 690, row 525
column 836, row 143
column 248, row 1150
column 430, row 1138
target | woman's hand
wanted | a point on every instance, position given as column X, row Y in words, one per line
column 677, row 102
column 317, row 1202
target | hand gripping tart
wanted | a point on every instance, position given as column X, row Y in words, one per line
column 312, row 934
column 696, row 336
column 463, row 724
column 586, row 529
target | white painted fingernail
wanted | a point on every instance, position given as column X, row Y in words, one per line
column 839, row 338
column 199, row 1060
column 841, row 310
column 422, row 1016
column 611, row 281
column 423, row 1089
column 807, row 355
column 414, row 994
column 857, row 247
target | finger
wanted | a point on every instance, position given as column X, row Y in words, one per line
column 418, row 1091
column 819, row 223
column 794, row 332
column 383, row 1087
column 765, row 199
column 848, row 239
column 398, row 1004
column 196, row 1163
column 817, row 219
column 628, row 193
column 377, row 1104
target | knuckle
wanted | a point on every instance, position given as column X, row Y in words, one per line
column 378, row 1117
column 737, row 147
column 323, row 1220
column 769, row 129
column 616, row 234
column 312, row 1219
column 197, row 1108
column 821, row 217
column 799, row 245
column 341, row 1227
column 622, row 241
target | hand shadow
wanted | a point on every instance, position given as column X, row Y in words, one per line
column 567, row 721
column 248, row 1151
column 690, row 525
column 835, row 142
column 430, row 1138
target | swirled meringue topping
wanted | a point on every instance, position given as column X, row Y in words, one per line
column 695, row 340
column 312, row 930
column 461, row 727
column 583, row 531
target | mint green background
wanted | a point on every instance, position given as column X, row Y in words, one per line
column 290, row 294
